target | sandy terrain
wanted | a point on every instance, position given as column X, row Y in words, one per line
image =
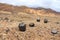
column 41, row 31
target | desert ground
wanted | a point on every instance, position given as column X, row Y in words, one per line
column 9, row 21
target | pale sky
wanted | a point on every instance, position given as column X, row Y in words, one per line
column 53, row 4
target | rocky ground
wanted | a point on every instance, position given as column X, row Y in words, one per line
column 9, row 23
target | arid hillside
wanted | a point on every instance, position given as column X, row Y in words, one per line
column 40, row 11
column 37, row 23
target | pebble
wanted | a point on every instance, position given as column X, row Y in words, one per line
column 45, row 20
column 54, row 31
column 31, row 24
column 38, row 19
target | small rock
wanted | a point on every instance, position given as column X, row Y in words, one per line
column 31, row 24
column 6, row 30
column 54, row 31
column 7, row 19
column 45, row 20
column 57, row 22
column 22, row 27
column 38, row 19
column 1, row 19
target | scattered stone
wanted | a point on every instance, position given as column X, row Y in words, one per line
column 7, row 30
column 54, row 31
column 57, row 22
column 38, row 19
column 45, row 20
column 6, row 18
column 22, row 27
column 1, row 19
column 31, row 24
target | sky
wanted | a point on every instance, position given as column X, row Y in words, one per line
column 53, row 4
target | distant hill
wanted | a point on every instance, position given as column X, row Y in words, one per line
column 39, row 10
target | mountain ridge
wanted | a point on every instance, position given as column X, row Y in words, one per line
column 39, row 10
